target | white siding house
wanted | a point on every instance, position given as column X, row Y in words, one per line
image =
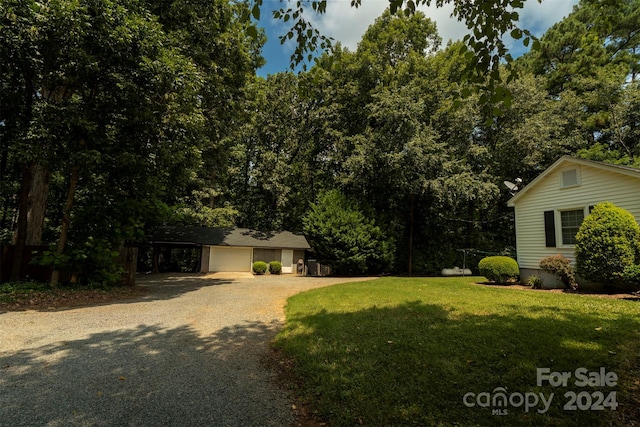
column 550, row 209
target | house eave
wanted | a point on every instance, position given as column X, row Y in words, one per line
column 635, row 173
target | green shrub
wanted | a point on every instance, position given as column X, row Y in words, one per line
column 631, row 275
column 561, row 268
column 535, row 282
column 92, row 261
column 607, row 244
column 260, row 267
column 275, row 267
column 499, row 269
column 23, row 287
column 346, row 236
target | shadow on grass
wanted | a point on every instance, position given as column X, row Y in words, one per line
column 144, row 376
column 413, row 364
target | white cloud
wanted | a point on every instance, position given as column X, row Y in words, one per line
column 347, row 24
column 449, row 28
column 538, row 17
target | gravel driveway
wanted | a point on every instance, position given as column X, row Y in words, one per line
column 187, row 353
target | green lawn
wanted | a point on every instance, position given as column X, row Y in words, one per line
column 400, row 351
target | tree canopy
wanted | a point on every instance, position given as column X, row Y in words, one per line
column 112, row 109
column 118, row 117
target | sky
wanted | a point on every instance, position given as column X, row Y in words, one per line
column 347, row 25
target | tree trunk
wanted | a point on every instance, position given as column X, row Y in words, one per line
column 128, row 260
column 4, row 156
column 20, row 237
column 411, row 220
column 37, row 204
column 66, row 220
column 3, row 171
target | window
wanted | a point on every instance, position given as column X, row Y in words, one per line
column 570, row 223
column 561, row 226
column 569, row 178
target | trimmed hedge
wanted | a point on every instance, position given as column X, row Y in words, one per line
column 260, row 267
column 275, row 267
column 499, row 269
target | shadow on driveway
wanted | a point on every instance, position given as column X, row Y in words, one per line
column 144, row 376
column 171, row 285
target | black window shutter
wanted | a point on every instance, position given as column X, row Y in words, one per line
column 549, row 229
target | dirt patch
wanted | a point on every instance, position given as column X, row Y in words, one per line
column 283, row 366
column 65, row 298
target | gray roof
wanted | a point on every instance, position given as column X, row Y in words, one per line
column 239, row 237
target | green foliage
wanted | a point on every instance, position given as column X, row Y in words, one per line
column 53, row 259
column 92, row 262
column 260, row 267
column 205, row 216
column 607, row 243
column 561, row 268
column 131, row 98
column 271, row 168
column 535, row 282
column 158, row 105
column 344, row 237
column 499, row 269
column 631, row 275
column 275, row 267
column 486, row 53
column 12, row 291
column 23, row 287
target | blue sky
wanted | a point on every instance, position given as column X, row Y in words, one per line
column 347, row 25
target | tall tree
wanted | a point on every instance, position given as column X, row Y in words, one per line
column 121, row 105
column 386, row 152
column 591, row 54
column 489, row 23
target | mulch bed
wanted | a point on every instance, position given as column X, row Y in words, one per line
column 634, row 296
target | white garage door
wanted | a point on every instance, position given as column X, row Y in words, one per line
column 230, row 259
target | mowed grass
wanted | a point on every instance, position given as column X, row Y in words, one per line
column 402, row 351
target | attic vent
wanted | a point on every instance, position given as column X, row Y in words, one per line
column 569, row 178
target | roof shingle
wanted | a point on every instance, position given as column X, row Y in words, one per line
column 240, row 237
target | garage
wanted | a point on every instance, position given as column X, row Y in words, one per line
column 230, row 259
column 227, row 249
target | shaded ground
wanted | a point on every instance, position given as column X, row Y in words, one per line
column 181, row 350
column 65, row 298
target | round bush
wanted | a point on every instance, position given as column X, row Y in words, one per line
column 499, row 269
column 275, row 267
column 260, row 267
column 606, row 244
